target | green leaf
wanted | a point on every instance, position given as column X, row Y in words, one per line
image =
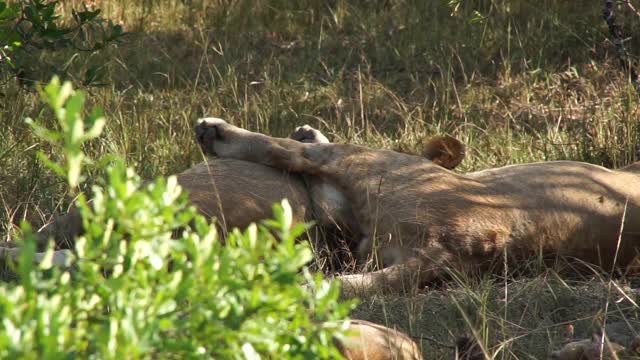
column 46, row 261
column 95, row 130
column 249, row 352
column 50, row 164
column 9, row 13
column 44, row 133
column 74, row 168
column 27, row 254
column 72, row 118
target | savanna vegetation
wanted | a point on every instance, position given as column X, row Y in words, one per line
column 517, row 81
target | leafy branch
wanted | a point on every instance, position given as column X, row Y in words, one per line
column 30, row 27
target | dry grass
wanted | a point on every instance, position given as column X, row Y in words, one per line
column 531, row 81
column 522, row 319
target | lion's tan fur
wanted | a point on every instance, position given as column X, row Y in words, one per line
column 238, row 193
column 420, row 218
column 368, row 341
column 234, row 192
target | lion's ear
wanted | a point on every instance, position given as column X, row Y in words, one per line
column 445, row 151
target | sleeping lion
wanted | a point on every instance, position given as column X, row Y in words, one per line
column 418, row 219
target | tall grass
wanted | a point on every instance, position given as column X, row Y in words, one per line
column 518, row 81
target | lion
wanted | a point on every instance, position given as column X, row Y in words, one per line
column 369, row 341
column 419, row 219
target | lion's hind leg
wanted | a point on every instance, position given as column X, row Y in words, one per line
column 317, row 158
column 218, row 138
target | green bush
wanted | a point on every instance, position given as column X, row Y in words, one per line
column 132, row 292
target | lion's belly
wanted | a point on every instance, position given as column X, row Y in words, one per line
column 572, row 209
column 563, row 208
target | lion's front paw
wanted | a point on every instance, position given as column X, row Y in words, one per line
column 208, row 131
column 307, row 134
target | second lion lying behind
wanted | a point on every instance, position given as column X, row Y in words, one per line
column 421, row 219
